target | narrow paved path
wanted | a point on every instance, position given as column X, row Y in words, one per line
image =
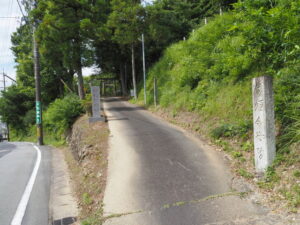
column 157, row 175
column 17, row 163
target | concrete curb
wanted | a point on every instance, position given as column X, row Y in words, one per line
column 63, row 209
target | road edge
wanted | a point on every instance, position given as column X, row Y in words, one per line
column 63, row 206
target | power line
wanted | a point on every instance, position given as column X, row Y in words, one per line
column 20, row 7
column 8, row 24
column 8, row 21
column 10, row 17
column 5, row 75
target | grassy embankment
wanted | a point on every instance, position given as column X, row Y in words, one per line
column 87, row 160
column 204, row 84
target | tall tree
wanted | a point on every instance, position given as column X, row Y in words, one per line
column 22, row 50
column 61, row 34
column 127, row 21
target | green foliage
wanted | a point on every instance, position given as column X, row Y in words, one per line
column 15, row 106
column 271, row 175
column 30, row 136
column 170, row 20
column 126, row 21
column 64, row 41
column 22, row 49
column 61, row 114
column 245, row 174
column 30, row 118
column 210, row 73
column 95, row 218
column 229, row 130
column 292, row 195
column 73, row 34
column 236, row 154
column 89, row 221
column 270, row 178
column 296, row 173
column 164, row 22
column 87, row 104
column 86, row 198
column 225, row 145
column 247, row 146
column 288, row 104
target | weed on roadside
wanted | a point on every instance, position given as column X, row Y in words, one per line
column 245, row 174
column 230, row 130
column 86, row 199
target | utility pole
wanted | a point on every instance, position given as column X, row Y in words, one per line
column 38, row 99
column 133, row 71
column 5, row 75
column 4, row 87
column 144, row 69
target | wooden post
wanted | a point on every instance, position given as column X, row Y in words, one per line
column 155, row 92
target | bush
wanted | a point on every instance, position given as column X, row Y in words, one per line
column 15, row 103
column 210, row 73
column 62, row 113
column 29, row 118
column 229, row 130
column 287, row 96
column 87, row 104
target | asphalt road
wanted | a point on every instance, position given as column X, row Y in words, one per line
column 157, row 173
column 17, row 163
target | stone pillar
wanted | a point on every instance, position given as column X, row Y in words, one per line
column 263, row 122
column 131, row 93
column 96, row 106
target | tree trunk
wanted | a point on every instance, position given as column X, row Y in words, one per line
column 70, row 79
column 61, row 87
column 80, row 83
column 78, row 67
column 125, row 78
column 133, row 71
column 122, row 76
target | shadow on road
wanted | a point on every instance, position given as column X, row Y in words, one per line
column 7, row 145
column 115, row 99
column 119, row 109
column 113, row 119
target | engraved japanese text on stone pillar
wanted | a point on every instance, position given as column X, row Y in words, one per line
column 263, row 122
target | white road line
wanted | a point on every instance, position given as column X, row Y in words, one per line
column 18, row 217
column 170, row 161
column 183, row 166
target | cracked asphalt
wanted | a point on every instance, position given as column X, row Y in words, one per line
column 155, row 169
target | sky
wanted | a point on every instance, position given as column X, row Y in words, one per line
column 8, row 8
column 148, row 1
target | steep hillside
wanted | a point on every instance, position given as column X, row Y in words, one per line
column 210, row 75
